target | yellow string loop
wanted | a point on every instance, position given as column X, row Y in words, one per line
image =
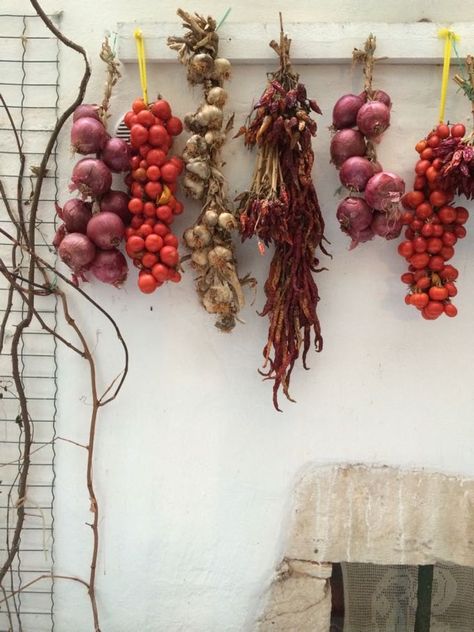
column 140, row 42
column 449, row 37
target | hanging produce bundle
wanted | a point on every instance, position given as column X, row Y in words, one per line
column 94, row 224
column 372, row 208
column 282, row 208
column 152, row 183
column 433, row 221
column 210, row 238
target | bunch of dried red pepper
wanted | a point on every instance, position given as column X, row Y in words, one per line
column 282, row 208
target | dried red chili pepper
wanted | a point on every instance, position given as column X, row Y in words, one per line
column 282, row 208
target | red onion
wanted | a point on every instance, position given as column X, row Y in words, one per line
column 373, row 118
column 105, row 230
column 346, row 143
column 356, row 172
column 345, row 110
column 86, row 109
column 384, row 226
column 91, row 176
column 76, row 214
column 110, row 266
column 77, row 251
column 384, row 190
column 116, row 155
column 59, row 236
column 116, row 202
column 380, row 95
column 88, row 135
column 365, row 235
column 354, row 215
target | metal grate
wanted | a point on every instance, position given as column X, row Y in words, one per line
column 29, row 77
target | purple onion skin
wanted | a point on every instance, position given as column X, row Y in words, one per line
column 106, row 230
column 77, row 251
column 356, row 172
column 345, row 110
column 116, row 202
column 346, row 143
column 385, row 227
column 373, row 118
column 383, row 97
column 76, row 214
column 365, row 235
column 88, row 136
column 384, row 191
column 354, row 215
column 91, row 177
column 86, row 109
column 116, row 155
column 59, row 236
column 110, row 266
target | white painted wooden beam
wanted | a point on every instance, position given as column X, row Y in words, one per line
column 318, row 42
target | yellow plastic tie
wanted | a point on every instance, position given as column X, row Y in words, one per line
column 140, row 42
column 449, row 37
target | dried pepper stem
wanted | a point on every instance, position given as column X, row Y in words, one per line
column 281, row 207
column 210, row 238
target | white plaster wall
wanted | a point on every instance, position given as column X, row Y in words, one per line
column 194, row 467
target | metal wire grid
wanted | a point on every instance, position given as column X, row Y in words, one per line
column 29, row 78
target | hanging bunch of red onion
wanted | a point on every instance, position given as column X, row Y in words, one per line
column 210, row 238
column 93, row 224
column 372, row 206
column 282, row 208
column 152, row 182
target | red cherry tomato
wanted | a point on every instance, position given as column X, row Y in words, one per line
column 139, row 174
column 164, row 213
column 135, row 244
column 135, row 205
column 169, row 256
column 421, row 146
column 443, row 131
column 447, row 252
column 178, row 162
column 427, row 230
column 449, row 273
column 419, row 244
column 451, row 288
column 460, row 232
column 153, row 173
column 154, row 243
column 158, row 136
column 136, row 221
column 161, row 109
column 137, row 190
column 450, row 310
column 156, row 157
column 138, row 135
column 149, row 209
column 436, row 263
column 438, row 230
column 424, row 210
column 145, row 118
column 138, row 105
column 438, row 198
column 408, row 278
column 433, row 141
column 447, row 214
column 147, row 283
column 145, row 230
column 144, row 150
column 149, row 259
column 171, row 240
column 435, row 308
column 153, row 190
column 419, row 300
column 406, row 249
column 423, row 283
column 174, row 126
column 174, row 276
column 161, row 229
column 458, row 130
column 462, row 215
column 438, row 293
column 160, row 272
column 434, row 245
column 420, row 261
column 169, row 172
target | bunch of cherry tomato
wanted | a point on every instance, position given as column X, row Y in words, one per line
column 152, row 185
column 433, row 226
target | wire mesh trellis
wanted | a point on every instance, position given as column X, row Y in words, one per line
column 29, row 78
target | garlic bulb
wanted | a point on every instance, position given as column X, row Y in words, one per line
column 210, row 218
column 217, row 96
column 201, row 63
column 219, row 256
column 195, row 188
column 190, row 238
column 227, row 221
column 202, row 236
column 209, row 116
column 222, row 68
column 215, row 138
column 199, row 258
column 195, row 146
column 199, row 168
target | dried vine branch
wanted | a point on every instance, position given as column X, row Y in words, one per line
column 28, row 287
